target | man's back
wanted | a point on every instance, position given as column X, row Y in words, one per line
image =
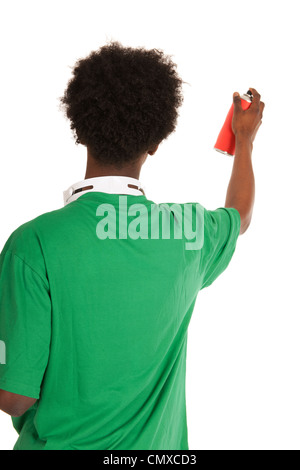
column 97, row 327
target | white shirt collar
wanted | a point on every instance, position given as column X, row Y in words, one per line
column 104, row 184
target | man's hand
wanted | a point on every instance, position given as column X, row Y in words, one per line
column 245, row 123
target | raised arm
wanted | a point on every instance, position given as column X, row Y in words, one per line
column 241, row 187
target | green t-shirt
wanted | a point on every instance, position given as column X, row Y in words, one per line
column 95, row 321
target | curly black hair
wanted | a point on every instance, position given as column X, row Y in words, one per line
column 122, row 101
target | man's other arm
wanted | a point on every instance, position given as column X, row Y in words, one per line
column 14, row 404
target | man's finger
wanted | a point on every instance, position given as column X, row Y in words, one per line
column 262, row 106
column 256, row 97
column 237, row 100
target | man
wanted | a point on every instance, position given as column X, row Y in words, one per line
column 96, row 297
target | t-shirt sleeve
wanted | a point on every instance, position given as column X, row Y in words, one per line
column 221, row 231
column 25, row 324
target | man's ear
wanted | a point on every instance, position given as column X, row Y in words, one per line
column 153, row 150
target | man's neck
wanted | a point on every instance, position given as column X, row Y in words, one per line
column 95, row 169
column 95, row 172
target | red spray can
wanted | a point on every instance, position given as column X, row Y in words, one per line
column 226, row 139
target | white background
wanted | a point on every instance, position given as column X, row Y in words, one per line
column 243, row 382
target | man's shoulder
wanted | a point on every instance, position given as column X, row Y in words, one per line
column 28, row 234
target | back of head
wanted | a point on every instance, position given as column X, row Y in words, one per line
column 121, row 101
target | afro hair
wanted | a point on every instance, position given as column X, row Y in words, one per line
column 122, row 102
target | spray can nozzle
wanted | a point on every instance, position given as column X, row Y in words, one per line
column 249, row 94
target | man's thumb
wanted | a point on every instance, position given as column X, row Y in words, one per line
column 237, row 100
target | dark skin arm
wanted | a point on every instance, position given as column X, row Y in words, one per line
column 14, row 404
column 241, row 188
